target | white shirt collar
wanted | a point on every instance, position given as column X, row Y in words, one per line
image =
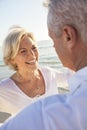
column 77, row 79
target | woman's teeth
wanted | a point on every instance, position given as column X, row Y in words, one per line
column 31, row 62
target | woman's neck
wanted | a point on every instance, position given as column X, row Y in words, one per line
column 26, row 76
column 31, row 84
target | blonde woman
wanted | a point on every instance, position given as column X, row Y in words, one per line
column 29, row 81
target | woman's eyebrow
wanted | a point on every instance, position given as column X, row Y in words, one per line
column 22, row 49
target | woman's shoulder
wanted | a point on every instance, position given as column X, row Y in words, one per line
column 49, row 69
column 5, row 82
column 49, row 72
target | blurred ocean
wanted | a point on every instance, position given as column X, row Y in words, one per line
column 47, row 57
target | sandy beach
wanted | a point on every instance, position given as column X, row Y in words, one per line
column 4, row 116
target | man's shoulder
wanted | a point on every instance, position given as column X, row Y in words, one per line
column 50, row 101
column 53, row 99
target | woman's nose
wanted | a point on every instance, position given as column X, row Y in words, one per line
column 31, row 53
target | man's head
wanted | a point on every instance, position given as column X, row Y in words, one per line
column 67, row 26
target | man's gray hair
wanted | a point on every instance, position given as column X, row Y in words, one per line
column 68, row 12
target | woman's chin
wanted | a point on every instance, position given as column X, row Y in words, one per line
column 34, row 66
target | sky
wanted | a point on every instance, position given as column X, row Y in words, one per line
column 30, row 14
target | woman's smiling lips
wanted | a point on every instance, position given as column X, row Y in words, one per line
column 31, row 62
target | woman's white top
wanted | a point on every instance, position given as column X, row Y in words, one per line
column 12, row 99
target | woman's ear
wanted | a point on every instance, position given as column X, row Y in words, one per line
column 69, row 35
column 12, row 61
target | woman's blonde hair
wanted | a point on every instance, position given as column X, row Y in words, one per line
column 12, row 42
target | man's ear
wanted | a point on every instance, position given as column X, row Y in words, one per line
column 69, row 35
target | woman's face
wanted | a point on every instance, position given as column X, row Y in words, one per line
column 27, row 56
